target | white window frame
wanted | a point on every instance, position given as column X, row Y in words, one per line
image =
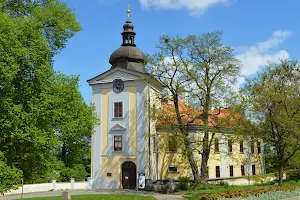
column 113, row 108
column 120, row 135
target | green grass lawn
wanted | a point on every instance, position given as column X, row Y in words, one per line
column 197, row 191
column 100, row 197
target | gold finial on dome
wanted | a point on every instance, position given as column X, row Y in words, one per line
column 128, row 11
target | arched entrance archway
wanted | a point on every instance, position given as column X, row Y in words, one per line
column 128, row 175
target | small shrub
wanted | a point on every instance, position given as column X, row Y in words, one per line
column 10, row 176
column 184, row 182
column 77, row 172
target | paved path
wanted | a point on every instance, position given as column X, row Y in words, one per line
column 158, row 196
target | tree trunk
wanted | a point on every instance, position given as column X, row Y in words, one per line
column 204, row 160
column 187, row 143
column 194, row 168
column 63, row 152
column 190, row 156
column 280, row 174
column 206, row 143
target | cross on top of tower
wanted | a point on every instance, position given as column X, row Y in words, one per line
column 128, row 12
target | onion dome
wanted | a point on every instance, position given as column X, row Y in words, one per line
column 128, row 55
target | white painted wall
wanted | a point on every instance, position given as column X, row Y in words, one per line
column 45, row 187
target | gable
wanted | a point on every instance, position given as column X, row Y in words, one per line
column 116, row 73
column 118, row 127
column 119, row 75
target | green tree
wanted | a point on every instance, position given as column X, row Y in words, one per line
column 10, row 177
column 41, row 111
column 212, row 69
column 274, row 98
column 205, row 69
column 75, row 121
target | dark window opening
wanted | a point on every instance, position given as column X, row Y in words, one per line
column 230, row 146
column 253, row 170
column 118, row 109
column 217, row 150
column 231, row 170
column 243, row 170
column 252, row 146
column 258, row 148
column 241, row 146
column 217, row 171
column 172, row 169
column 117, row 143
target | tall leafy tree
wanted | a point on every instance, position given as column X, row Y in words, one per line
column 205, row 69
column 168, row 71
column 43, row 117
column 274, row 98
column 212, row 69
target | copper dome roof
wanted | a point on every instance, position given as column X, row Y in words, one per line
column 128, row 55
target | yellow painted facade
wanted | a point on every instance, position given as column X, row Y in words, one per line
column 223, row 158
column 114, row 163
column 161, row 159
column 132, row 117
column 104, row 118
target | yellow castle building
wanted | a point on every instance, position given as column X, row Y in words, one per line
column 127, row 146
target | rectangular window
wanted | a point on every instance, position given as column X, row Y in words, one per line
column 172, row 144
column 230, row 146
column 118, row 109
column 231, row 170
column 217, row 171
column 241, row 146
column 243, row 170
column 172, row 169
column 253, row 170
column 118, row 143
column 252, row 146
column 258, row 148
column 217, row 150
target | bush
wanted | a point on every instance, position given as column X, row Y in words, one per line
column 184, row 183
column 77, row 172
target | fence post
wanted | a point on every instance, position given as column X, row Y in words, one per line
column 53, row 185
column 90, row 182
column 72, row 183
column 65, row 195
column 22, row 189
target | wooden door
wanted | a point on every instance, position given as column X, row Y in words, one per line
column 129, row 175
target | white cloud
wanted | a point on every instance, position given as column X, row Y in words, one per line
column 194, row 7
column 257, row 56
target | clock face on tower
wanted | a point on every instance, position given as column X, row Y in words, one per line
column 118, row 85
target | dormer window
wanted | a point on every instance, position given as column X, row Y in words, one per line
column 118, row 143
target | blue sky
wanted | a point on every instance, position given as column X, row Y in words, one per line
column 258, row 30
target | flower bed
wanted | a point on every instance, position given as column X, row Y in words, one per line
column 246, row 193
